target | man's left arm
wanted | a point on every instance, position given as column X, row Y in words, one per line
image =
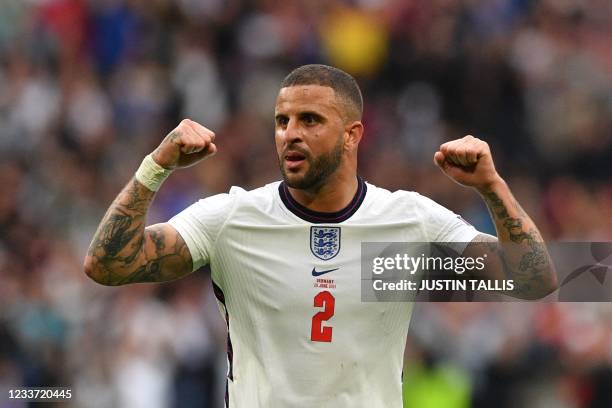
column 519, row 252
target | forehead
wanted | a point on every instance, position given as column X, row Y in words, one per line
column 297, row 98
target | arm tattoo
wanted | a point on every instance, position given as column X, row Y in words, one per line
column 496, row 205
column 123, row 251
column 116, row 233
column 522, row 251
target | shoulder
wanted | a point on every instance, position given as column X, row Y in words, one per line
column 438, row 223
column 239, row 202
column 402, row 204
column 238, row 195
column 261, row 196
column 383, row 196
column 264, row 191
column 213, row 211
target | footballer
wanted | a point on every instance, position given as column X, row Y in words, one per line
column 292, row 341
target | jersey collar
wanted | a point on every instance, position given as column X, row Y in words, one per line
column 317, row 217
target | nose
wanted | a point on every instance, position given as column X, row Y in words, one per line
column 292, row 133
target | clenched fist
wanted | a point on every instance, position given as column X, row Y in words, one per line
column 186, row 145
column 468, row 161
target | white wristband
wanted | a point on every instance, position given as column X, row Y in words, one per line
column 150, row 174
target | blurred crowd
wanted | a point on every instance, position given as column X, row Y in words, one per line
column 88, row 87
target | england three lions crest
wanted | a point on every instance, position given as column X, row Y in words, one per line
column 325, row 242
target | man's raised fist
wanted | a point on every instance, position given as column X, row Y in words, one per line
column 186, row 145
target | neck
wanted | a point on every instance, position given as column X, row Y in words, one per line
column 332, row 196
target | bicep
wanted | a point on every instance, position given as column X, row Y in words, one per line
column 166, row 256
column 487, row 247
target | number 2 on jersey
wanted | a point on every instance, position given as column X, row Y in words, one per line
column 319, row 332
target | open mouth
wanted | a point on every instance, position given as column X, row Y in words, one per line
column 294, row 159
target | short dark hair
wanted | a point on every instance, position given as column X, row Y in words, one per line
column 343, row 84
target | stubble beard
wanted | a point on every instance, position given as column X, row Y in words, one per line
column 318, row 171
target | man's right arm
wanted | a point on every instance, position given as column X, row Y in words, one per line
column 124, row 251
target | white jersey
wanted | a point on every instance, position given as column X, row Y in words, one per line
column 288, row 282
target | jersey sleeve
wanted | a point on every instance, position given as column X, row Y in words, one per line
column 200, row 224
column 443, row 225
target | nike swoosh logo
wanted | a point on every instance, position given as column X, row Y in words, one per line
column 319, row 273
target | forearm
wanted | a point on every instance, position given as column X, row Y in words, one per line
column 117, row 247
column 522, row 249
column 124, row 251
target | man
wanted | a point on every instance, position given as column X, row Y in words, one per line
column 292, row 341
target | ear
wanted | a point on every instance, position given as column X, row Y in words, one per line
column 352, row 135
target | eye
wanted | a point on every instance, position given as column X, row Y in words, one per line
column 282, row 121
column 310, row 119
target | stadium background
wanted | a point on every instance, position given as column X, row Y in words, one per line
column 87, row 88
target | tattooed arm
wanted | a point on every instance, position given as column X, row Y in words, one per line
column 518, row 252
column 124, row 251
